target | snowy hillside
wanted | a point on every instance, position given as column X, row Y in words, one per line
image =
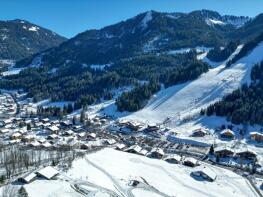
column 110, row 172
column 188, row 99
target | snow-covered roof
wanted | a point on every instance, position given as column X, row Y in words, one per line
column 69, row 132
column 136, row 148
column 93, row 135
column 120, row 146
column 16, row 135
column 256, row 133
column 29, row 177
column 110, row 141
column 53, row 136
column 157, row 150
column 227, row 131
column 82, row 134
column 222, row 148
column 245, row 150
column 190, row 159
column 35, row 143
column 207, row 171
column 174, row 156
column 53, row 128
column 46, row 144
column 48, row 172
column 143, row 152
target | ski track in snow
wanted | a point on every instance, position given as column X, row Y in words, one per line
column 189, row 98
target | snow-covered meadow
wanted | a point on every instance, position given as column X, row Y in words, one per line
column 110, row 172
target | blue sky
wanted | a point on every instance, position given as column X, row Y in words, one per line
column 69, row 17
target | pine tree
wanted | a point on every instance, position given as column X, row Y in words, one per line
column 22, row 192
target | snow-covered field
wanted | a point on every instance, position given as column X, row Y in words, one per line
column 110, row 171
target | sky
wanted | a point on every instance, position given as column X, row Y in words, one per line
column 70, row 17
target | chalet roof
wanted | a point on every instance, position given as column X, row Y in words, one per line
column 45, row 119
column 16, row 134
column 93, row 135
column 29, row 177
column 227, row 131
column 46, row 144
column 53, row 128
column 53, row 136
column 35, row 143
column 4, row 130
column 82, row 134
column 143, row 152
column 120, row 146
column 244, row 151
column 256, row 133
column 157, row 150
column 110, row 141
column 136, row 148
column 152, row 125
column 174, row 156
column 200, row 130
column 48, row 172
column 29, row 137
column 69, row 132
column 190, row 159
column 41, row 140
column 222, row 148
column 207, row 171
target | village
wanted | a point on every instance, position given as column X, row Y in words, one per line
column 47, row 137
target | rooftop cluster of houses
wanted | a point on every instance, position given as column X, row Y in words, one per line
column 158, row 153
column 48, row 133
column 127, row 127
column 7, row 106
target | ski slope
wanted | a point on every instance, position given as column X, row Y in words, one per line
column 188, row 99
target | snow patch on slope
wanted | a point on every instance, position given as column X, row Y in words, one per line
column 33, row 28
column 212, row 22
column 146, row 20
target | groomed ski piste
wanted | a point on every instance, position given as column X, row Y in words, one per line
column 187, row 99
column 109, row 173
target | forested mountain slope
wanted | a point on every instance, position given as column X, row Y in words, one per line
column 20, row 39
